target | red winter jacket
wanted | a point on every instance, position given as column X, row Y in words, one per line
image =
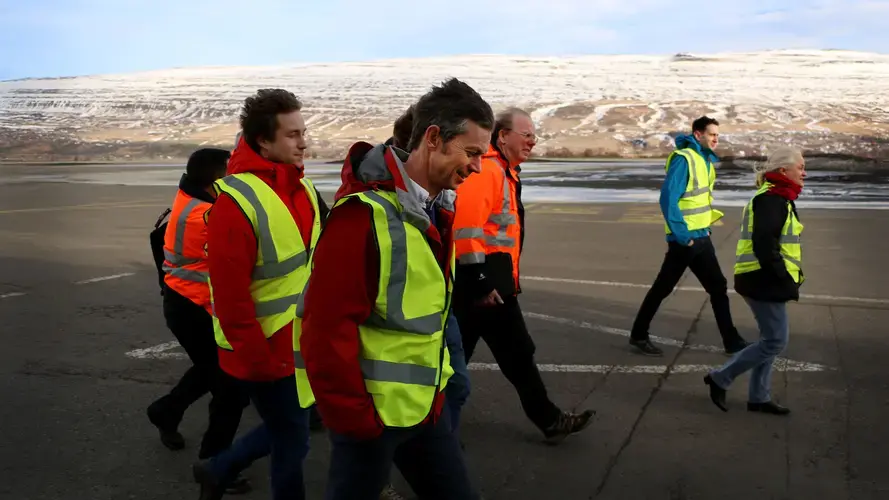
column 341, row 294
column 232, row 248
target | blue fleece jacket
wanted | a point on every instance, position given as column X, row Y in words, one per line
column 673, row 187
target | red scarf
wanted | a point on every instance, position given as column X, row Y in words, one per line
column 782, row 186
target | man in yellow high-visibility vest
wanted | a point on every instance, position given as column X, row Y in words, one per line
column 373, row 339
column 687, row 204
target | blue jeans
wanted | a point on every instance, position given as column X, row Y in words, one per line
column 774, row 331
column 457, row 390
column 284, row 433
column 428, row 456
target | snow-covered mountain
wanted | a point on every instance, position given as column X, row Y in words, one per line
column 828, row 101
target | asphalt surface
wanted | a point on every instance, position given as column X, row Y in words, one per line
column 76, row 378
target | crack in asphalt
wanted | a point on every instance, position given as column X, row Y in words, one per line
column 661, row 379
column 849, row 472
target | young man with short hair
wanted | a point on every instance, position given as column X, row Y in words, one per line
column 262, row 228
column 686, row 202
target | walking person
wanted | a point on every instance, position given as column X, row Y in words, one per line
column 373, row 339
column 489, row 230
column 265, row 223
column 768, row 274
column 458, row 388
column 686, row 202
column 179, row 245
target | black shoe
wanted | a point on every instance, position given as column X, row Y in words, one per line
column 170, row 436
column 769, row 407
column 210, row 487
column 717, row 394
column 567, row 423
column 736, row 346
column 646, row 347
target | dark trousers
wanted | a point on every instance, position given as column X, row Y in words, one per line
column 458, row 388
column 284, row 433
column 503, row 329
column 193, row 328
column 428, row 456
column 701, row 259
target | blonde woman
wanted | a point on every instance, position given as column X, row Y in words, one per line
column 768, row 273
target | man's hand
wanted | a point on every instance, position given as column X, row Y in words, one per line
column 492, row 299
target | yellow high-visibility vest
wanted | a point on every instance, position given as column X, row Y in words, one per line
column 281, row 272
column 403, row 354
column 790, row 244
column 696, row 203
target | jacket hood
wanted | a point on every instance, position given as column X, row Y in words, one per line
column 381, row 167
column 688, row 141
column 244, row 159
column 192, row 189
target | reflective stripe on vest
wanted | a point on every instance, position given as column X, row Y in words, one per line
column 281, row 271
column 695, row 203
column 501, row 216
column 185, row 266
column 405, row 361
column 175, row 260
column 789, row 241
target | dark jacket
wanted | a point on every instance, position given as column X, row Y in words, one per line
column 771, row 283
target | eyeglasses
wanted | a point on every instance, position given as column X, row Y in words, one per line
column 528, row 136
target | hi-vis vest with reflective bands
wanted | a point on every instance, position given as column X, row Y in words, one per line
column 501, row 232
column 403, row 353
column 790, row 245
column 281, row 272
column 697, row 200
column 185, row 268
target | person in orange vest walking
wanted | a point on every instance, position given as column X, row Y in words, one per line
column 489, row 229
column 186, row 305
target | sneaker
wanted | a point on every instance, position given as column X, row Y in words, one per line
column 646, row 347
column 567, row 423
column 389, row 493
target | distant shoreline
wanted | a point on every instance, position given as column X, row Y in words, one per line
column 838, row 161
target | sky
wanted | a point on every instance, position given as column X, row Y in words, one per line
column 48, row 38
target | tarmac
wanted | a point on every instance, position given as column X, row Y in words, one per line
column 86, row 350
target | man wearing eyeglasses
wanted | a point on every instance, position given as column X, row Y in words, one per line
column 489, row 229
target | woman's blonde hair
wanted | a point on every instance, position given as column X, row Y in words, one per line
column 781, row 157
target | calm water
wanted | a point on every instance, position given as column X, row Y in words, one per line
column 590, row 182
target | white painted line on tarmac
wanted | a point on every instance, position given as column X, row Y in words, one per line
column 12, row 294
column 158, row 352
column 863, row 300
column 632, row 369
column 788, row 363
column 103, row 278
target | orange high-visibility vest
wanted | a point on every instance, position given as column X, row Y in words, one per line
column 185, row 265
column 487, row 218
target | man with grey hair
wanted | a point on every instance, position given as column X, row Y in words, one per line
column 489, row 231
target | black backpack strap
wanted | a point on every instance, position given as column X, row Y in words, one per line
column 160, row 219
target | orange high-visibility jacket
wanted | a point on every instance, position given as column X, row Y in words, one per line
column 487, row 226
column 185, row 264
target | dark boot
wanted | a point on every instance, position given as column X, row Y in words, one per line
column 567, row 423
